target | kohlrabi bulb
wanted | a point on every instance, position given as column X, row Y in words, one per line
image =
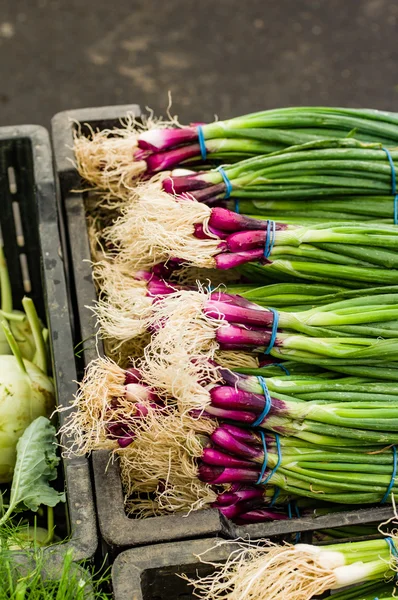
column 23, row 398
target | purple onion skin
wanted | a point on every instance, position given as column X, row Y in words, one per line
column 259, row 317
column 219, row 475
column 117, row 429
column 229, row 398
column 183, row 184
column 230, row 377
column 212, row 456
column 259, row 516
column 209, row 194
column 198, row 414
column 229, row 512
column 167, row 138
column 166, row 270
column 200, row 233
column 158, row 289
column 227, row 220
column 234, row 510
column 126, row 441
column 132, row 376
column 239, row 336
column 139, row 391
column 224, row 396
column 143, row 275
column 246, row 240
column 239, row 416
column 227, row 442
column 164, row 161
column 243, row 435
column 234, row 299
column 228, row 498
column 231, row 260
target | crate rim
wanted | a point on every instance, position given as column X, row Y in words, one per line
column 106, row 473
column 83, row 539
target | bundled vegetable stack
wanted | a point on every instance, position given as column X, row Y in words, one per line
column 110, row 160
column 306, row 203
column 265, row 571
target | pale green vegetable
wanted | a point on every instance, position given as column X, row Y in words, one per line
column 24, row 396
column 18, row 322
column 26, row 392
column 35, row 467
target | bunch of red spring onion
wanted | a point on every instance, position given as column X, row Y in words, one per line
column 159, row 228
column 111, row 159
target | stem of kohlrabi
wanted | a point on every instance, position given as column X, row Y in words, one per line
column 14, row 347
column 40, row 358
column 50, row 526
column 6, row 294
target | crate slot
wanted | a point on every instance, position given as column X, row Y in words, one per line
column 18, row 224
column 27, row 285
column 12, row 180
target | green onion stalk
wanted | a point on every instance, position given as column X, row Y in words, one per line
column 292, row 297
column 17, row 320
column 376, row 209
column 265, row 571
column 156, row 229
column 262, row 132
column 344, row 533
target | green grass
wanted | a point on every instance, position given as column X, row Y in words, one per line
column 25, row 573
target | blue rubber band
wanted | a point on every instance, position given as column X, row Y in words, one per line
column 274, row 470
column 393, row 549
column 393, row 184
column 275, row 496
column 289, row 511
column 394, row 473
column 227, row 182
column 396, row 209
column 274, row 330
column 394, row 552
column 267, row 404
column 270, row 239
column 237, row 209
column 202, row 142
column 264, row 467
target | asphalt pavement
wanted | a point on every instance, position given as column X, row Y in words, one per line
column 214, row 57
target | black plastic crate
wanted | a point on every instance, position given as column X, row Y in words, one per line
column 118, row 531
column 29, row 226
column 152, row 573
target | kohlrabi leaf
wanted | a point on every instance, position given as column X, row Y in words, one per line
column 35, row 467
